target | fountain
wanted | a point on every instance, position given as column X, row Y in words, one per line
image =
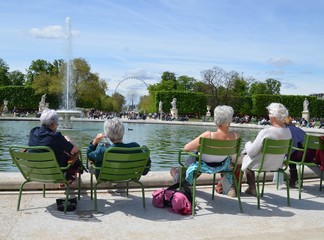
column 68, row 108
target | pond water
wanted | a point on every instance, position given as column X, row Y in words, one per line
column 164, row 140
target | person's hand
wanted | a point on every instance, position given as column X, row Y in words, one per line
column 98, row 138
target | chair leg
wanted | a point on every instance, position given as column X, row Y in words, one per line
column 258, row 189
column 20, row 193
column 43, row 190
column 299, row 181
column 143, row 194
column 263, row 181
column 213, row 190
column 287, row 186
column 91, row 186
column 238, row 189
column 302, row 175
column 321, row 180
column 66, row 198
column 277, row 182
column 193, row 207
column 95, row 197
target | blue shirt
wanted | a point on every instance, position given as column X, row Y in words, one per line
column 96, row 153
column 297, row 135
column 43, row 136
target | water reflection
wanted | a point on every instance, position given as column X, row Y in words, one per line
column 163, row 140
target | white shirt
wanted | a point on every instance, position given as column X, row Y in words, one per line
column 252, row 159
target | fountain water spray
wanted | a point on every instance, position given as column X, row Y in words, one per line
column 68, row 104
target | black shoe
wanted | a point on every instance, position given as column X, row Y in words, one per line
column 293, row 183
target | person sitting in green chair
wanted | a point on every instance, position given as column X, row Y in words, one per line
column 252, row 152
column 113, row 131
column 223, row 116
column 47, row 135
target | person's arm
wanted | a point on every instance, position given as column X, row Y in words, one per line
column 194, row 144
column 253, row 148
column 95, row 153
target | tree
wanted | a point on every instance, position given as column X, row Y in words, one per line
column 273, row 86
column 118, row 101
column 45, row 83
column 215, row 79
column 185, row 83
column 240, row 88
column 17, row 78
column 258, row 88
column 90, row 87
column 37, row 67
column 4, row 72
column 200, row 87
column 145, row 104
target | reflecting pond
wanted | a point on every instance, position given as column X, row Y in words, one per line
column 164, row 140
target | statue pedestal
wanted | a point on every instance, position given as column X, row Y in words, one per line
column 305, row 115
column 174, row 113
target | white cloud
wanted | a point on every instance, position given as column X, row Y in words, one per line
column 280, row 62
column 51, row 32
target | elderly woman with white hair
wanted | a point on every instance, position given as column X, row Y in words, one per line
column 113, row 131
column 223, row 116
column 253, row 149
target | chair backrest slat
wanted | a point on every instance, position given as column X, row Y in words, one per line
column 219, row 147
column 37, row 164
column 314, row 142
column 123, row 164
column 273, row 147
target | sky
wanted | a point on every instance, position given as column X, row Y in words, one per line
column 130, row 43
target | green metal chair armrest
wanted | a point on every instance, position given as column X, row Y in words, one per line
column 182, row 153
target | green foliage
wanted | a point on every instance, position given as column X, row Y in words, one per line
column 293, row 103
column 4, row 70
column 24, row 98
column 241, row 105
column 17, row 78
column 146, row 105
column 258, row 88
column 273, row 85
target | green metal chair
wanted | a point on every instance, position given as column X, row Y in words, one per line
column 39, row 164
column 121, row 165
column 310, row 142
column 271, row 148
column 212, row 147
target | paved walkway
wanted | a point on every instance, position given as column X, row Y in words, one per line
column 122, row 218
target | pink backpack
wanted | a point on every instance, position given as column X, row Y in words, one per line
column 178, row 201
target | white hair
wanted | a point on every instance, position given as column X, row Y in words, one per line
column 223, row 114
column 114, row 129
column 48, row 117
column 278, row 111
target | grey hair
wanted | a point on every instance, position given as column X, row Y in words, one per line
column 223, row 114
column 48, row 117
column 114, row 129
column 279, row 111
